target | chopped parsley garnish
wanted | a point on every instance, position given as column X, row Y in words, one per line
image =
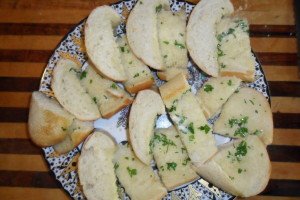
column 114, row 86
column 162, row 139
column 95, row 100
column 191, row 128
column 241, row 150
column 181, row 46
column 185, row 162
column 122, row 49
column 219, row 51
column 256, row 132
column 165, row 56
column 166, row 42
column 251, row 102
column 171, row 165
column 223, row 65
column 240, row 170
column 231, row 177
column 132, row 172
column 116, row 165
column 208, row 88
column 182, row 119
column 183, row 149
column 127, row 158
column 242, row 131
column 181, row 34
column 205, row 128
column 91, row 81
column 224, row 34
column 173, row 108
column 240, row 122
column 229, row 82
column 191, row 137
column 158, row 8
column 136, row 75
column 141, row 2
column 130, row 62
column 64, row 129
column 82, row 75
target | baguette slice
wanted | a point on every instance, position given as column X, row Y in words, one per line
column 96, row 169
column 139, row 75
column 70, row 93
column 246, row 113
column 107, row 95
column 145, row 44
column 172, row 43
column 100, row 43
column 201, row 30
column 187, row 115
column 77, row 132
column 241, row 168
column 145, row 108
column 215, row 93
column 47, row 121
column 138, row 179
column 234, row 43
column 172, row 161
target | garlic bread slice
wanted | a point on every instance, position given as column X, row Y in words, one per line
column 100, row 42
column 187, row 115
column 145, row 108
column 246, row 113
column 96, row 168
column 173, row 163
column 215, row 92
column 241, row 167
column 139, row 180
column 70, row 93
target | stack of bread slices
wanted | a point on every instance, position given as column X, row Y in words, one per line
column 118, row 74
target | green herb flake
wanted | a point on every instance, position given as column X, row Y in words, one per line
column 251, row 102
column 205, row 128
column 136, row 75
column 223, row 65
column 241, row 150
column 64, row 129
column 141, row 2
column 181, row 34
column 126, row 158
column 162, row 139
column 191, row 128
column 240, row 170
column 166, row 42
column 191, row 137
column 122, row 49
column 231, row 177
column 208, row 88
column 130, row 62
column 256, row 132
column 116, row 165
column 91, row 81
column 158, row 8
column 132, row 172
column 165, row 56
column 229, row 82
column 242, row 131
column 114, row 86
column 185, row 162
column 173, row 108
column 95, row 100
column 83, row 75
column 181, row 46
column 172, row 166
column 182, row 119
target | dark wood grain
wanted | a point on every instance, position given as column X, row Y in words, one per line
column 18, row 146
column 272, row 30
column 283, row 153
column 28, row 179
column 9, row 114
column 19, row 84
column 7, row 55
column 285, row 89
column 282, row 188
column 286, row 120
column 282, row 59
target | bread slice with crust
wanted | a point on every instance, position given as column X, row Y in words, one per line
column 139, row 180
column 100, row 42
column 246, row 113
column 70, row 93
column 96, row 169
column 172, row 43
column 235, row 56
column 145, row 44
column 47, row 121
column 144, row 110
column 187, row 115
column 76, row 133
column 172, row 160
column 201, row 33
column 215, row 92
column 139, row 75
column 106, row 94
column 241, row 167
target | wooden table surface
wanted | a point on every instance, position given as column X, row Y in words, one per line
column 31, row 29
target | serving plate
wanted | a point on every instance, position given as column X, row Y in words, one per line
column 64, row 166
